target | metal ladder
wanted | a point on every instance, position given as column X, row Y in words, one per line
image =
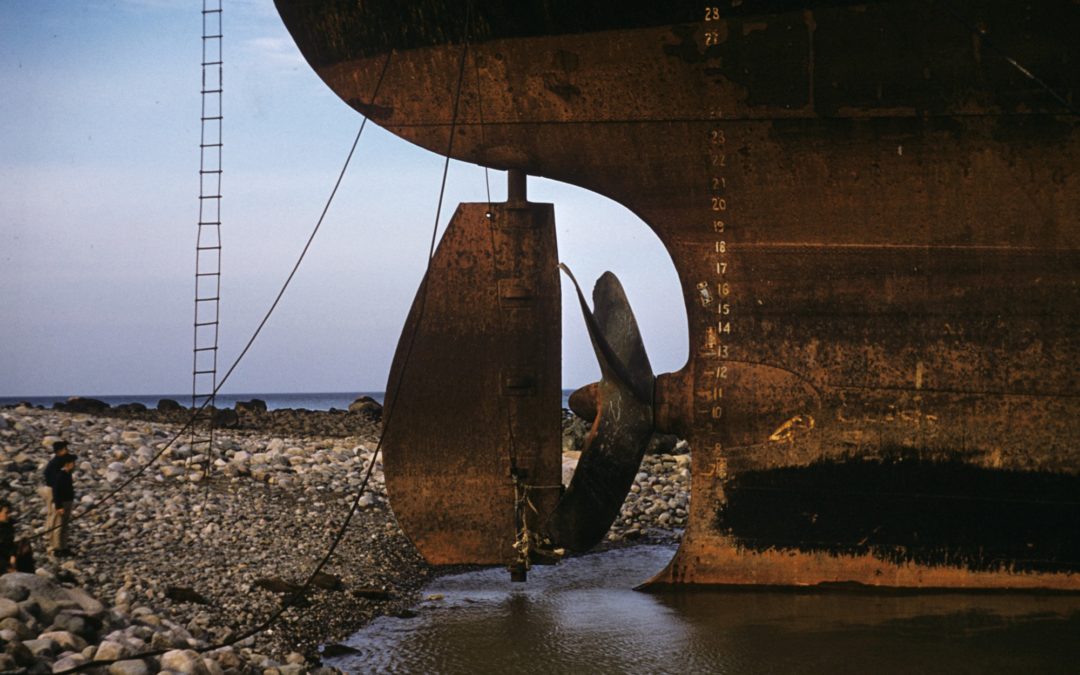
column 208, row 242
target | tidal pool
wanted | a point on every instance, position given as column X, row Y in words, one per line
column 583, row 616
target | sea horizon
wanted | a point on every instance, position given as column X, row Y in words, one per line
column 323, row 401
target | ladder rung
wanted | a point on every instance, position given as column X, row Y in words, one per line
column 202, row 375
column 211, row 11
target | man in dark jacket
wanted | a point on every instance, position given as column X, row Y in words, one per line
column 63, row 494
column 60, row 451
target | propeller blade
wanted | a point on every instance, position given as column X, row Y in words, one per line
column 617, row 324
column 622, row 407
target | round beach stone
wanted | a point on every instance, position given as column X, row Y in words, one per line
column 110, row 651
column 129, row 667
column 65, row 640
column 8, row 608
column 68, row 662
column 40, row 648
column 183, row 661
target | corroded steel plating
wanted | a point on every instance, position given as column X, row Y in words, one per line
column 874, row 212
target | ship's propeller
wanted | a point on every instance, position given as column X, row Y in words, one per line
column 621, row 407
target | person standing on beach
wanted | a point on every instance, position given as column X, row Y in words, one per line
column 7, row 537
column 60, row 451
column 63, row 494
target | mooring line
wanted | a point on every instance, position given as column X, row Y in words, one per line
column 296, row 595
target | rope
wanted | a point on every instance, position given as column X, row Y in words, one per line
column 291, row 599
column 111, row 495
column 266, row 317
column 483, row 139
column 523, row 499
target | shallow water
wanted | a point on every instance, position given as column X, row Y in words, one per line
column 582, row 616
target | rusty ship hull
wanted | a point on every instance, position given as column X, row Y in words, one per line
column 874, row 213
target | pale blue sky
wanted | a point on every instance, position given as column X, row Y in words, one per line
column 98, row 186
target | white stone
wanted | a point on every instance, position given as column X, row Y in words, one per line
column 183, row 661
column 129, row 667
column 110, row 651
column 65, row 639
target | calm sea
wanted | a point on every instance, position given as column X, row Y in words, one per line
column 309, row 401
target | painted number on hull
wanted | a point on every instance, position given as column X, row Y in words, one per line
column 721, row 309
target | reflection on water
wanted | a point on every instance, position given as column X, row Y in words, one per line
column 583, row 617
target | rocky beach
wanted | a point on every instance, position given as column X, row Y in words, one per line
column 181, row 560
